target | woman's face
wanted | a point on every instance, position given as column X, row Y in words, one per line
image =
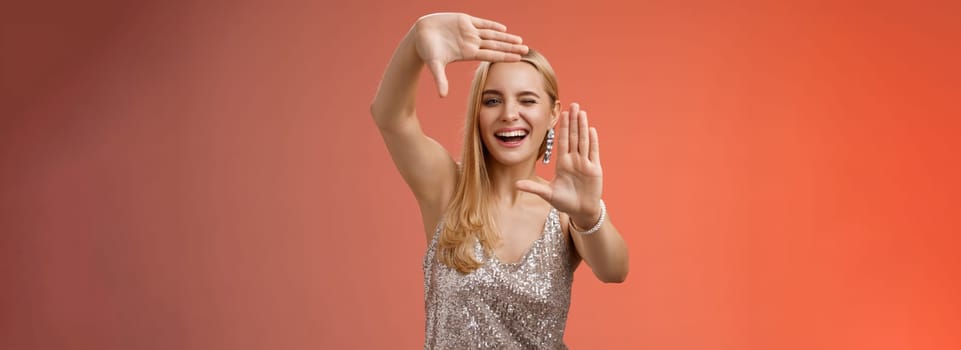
column 515, row 113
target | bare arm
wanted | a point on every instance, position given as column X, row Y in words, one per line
column 604, row 251
column 435, row 40
column 576, row 191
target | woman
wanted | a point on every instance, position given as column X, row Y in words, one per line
column 496, row 273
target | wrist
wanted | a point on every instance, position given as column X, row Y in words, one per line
column 586, row 220
column 588, row 224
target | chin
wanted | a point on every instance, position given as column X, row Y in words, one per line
column 511, row 159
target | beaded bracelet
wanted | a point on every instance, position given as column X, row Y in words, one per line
column 597, row 226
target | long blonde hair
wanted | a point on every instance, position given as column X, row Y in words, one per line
column 468, row 214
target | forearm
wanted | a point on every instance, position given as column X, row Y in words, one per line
column 396, row 94
column 604, row 251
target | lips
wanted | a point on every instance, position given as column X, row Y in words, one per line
column 512, row 137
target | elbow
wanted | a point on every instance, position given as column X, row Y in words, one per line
column 386, row 119
column 378, row 117
column 614, row 277
column 615, row 271
column 374, row 113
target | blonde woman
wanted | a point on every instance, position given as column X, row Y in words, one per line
column 502, row 242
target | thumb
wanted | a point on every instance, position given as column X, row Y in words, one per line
column 440, row 76
column 542, row 190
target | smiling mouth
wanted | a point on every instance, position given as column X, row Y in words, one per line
column 512, row 136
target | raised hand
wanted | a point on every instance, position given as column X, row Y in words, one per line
column 443, row 38
column 578, row 180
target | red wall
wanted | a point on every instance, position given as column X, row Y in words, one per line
column 200, row 175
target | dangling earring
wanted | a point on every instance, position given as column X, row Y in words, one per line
column 550, row 145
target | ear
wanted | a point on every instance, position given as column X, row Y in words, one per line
column 555, row 113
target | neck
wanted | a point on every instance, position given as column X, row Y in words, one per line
column 503, row 178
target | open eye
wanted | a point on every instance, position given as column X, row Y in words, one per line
column 490, row 101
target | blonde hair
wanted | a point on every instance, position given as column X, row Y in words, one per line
column 468, row 213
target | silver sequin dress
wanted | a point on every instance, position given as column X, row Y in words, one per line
column 501, row 305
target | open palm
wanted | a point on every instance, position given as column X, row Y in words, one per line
column 443, row 38
column 578, row 180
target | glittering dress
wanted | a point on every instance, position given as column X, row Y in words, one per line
column 501, row 305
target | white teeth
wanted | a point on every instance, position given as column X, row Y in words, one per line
column 512, row 133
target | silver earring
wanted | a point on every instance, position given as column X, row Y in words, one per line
column 550, row 145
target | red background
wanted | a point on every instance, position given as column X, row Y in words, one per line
column 205, row 175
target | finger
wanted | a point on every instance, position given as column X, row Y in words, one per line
column 488, row 34
column 572, row 124
column 502, row 46
column 440, row 76
column 560, row 137
column 481, row 23
column 496, row 56
column 584, row 139
column 595, row 148
column 542, row 190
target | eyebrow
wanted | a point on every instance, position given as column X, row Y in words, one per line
column 522, row 93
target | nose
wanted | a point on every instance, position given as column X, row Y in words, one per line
column 511, row 112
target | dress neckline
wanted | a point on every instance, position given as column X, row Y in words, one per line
column 547, row 224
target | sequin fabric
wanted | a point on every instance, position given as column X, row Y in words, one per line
column 520, row 305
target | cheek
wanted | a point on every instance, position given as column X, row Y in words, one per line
column 541, row 118
column 485, row 119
